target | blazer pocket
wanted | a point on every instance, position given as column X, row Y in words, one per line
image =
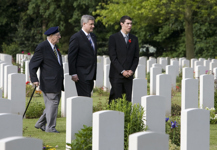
column 49, row 77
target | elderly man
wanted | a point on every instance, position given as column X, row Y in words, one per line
column 82, row 57
column 48, row 58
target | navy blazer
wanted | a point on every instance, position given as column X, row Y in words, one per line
column 51, row 72
column 123, row 56
column 82, row 58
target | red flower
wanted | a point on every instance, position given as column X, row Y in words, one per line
column 129, row 41
column 22, row 52
column 58, row 49
column 28, row 53
column 27, row 82
column 177, row 87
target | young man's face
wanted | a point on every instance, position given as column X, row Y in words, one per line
column 89, row 26
column 126, row 26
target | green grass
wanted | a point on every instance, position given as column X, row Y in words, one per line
column 59, row 140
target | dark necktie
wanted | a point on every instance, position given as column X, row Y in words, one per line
column 89, row 39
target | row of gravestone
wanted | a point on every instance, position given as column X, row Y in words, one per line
column 11, row 109
column 108, row 126
column 139, row 86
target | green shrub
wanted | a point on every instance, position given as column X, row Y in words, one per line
column 173, row 146
column 35, row 109
column 175, row 110
column 133, row 117
column 83, row 139
column 29, row 89
column 215, row 101
column 148, row 77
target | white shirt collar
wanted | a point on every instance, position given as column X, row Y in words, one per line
column 52, row 46
column 125, row 34
column 85, row 32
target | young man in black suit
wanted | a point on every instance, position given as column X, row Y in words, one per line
column 124, row 56
column 48, row 58
column 82, row 57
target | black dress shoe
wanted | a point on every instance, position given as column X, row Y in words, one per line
column 53, row 131
column 42, row 127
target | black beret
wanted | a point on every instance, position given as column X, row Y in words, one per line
column 52, row 30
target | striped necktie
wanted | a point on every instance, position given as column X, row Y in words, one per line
column 55, row 52
column 91, row 43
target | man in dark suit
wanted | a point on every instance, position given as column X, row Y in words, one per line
column 82, row 57
column 48, row 58
column 124, row 56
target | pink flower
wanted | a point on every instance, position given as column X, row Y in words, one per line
column 22, row 52
column 29, row 54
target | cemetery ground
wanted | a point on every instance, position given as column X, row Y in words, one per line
column 58, row 141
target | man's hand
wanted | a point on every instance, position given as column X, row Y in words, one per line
column 36, row 84
column 126, row 74
column 75, row 78
column 130, row 72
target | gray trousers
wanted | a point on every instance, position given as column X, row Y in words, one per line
column 49, row 115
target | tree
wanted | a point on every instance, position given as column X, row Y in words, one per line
column 156, row 12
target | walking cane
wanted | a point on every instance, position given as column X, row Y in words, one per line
column 29, row 101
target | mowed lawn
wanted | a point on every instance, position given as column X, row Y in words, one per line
column 59, row 140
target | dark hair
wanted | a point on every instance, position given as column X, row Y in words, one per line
column 122, row 20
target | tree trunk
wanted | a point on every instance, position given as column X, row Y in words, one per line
column 43, row 28
column 189, row 39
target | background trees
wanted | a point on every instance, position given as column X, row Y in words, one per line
column 176, row 28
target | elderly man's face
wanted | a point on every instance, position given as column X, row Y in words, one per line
column 89, row 26
column 55, row 38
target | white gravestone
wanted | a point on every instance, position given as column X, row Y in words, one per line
column 149, row 64
column 99, row 72
column 171, row 70
column 163, row 88
column 139, row 90
column 7, row 58
column 5, row 105
column 189, row 93
column 21, row 143
column 10, row 125
column 187, row 73
column 180, row 64
column 206, row 64
column 215, row 72
column 8, row 70
column 192, row 62
column 70, row 91
column 195, row 128
column 78, row 113
column 153, row 73
column 148, row 140
column 107, row 85
column 163, row 63
column 27, row 70
column 2, row 75
column 17, row 92
column 199, row 70
column 143, row 61
column 108, row 130
column 154, row 115
column 65, row 67
column 140, row 72
column 175, row 63
column 212, row 65
column 197, row 63
column 206, row 91
column 185, row 63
